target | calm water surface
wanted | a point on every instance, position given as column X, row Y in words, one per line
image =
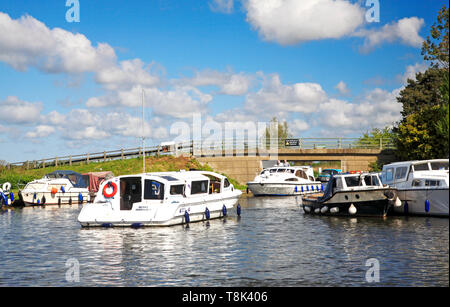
column 272, row 244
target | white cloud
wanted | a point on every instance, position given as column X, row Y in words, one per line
column 125, row 75
column 230, row 83
column 16, row 111
column 27, row 42
column 406, row 30
column 222, row 6
column 40, row 131
column 290, row 22
column 411, row 71
column 277, row 99
column 342, row 88
column 179, row 102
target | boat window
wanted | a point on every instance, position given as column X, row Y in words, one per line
column 292, row 179
column 300, row 173
column 273, row 170
column 352, row 181
column 432, row 183
column 226, row 183
column 400, row 172
column 177, row 189
column 371, row 181
column 416, row 183
column 199, row 187
column 389, row 174
column 291, row 170
column 439, row 166
column 339, row 184
column 130, row 192
column 154, row 189
column 421, row 167
column 281, row 170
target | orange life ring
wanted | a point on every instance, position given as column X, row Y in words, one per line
column 110, row 184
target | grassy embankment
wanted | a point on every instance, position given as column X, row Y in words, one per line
column 19, row 176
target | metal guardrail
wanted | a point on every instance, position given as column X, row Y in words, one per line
column 219, row 147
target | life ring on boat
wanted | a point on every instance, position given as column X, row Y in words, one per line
column 113, row 186
column 6, row 186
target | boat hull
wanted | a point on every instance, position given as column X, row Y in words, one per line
column 352, row 203
column 28, row 198
column 96, row 214
column 283, row 189
column 414, row 202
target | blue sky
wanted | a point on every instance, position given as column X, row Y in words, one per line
column 74, row 87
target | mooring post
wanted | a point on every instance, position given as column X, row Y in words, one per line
column 87, row 158
column 121, row 153
column 70, row 160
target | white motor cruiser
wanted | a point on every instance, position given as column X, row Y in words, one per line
column 160, row 199
column 56, row 188
column 422, row 186
column 285, row 180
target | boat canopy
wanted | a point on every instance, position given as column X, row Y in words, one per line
column 95, row 179
column 75, row 178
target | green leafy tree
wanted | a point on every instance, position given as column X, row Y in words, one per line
column 372, row 138
column 436, row 47
column 423, row 131
column 276, row 129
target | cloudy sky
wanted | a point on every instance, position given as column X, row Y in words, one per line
column 327, row 67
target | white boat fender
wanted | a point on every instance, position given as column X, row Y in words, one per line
column 317, row 211
column 398, row 202
column 6, row 186
column 224, row 210
column 334, row 210
column 186, row 217
column 207, row 214
column 307, row 209
column 352, row 209
column 324, row 209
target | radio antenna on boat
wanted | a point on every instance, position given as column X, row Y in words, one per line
column 143, row 137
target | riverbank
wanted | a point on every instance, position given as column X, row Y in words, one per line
column 19, row 176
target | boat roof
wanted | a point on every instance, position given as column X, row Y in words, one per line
column 179, row 176
column 413, row 162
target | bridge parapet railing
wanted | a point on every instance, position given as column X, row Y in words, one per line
column 216, row 147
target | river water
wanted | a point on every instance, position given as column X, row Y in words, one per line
column 272, row 244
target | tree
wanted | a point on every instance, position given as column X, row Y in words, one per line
column 424, row 129
column 372, row 138
column 275, row 128
column 436, row 47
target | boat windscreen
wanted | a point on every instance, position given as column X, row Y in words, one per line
column 76, row 178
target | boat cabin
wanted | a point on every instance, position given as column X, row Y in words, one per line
column 300, row 172
column 350, row 182
column 416, row 173
column 168, row 186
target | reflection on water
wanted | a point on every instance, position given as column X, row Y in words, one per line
column 272, row 244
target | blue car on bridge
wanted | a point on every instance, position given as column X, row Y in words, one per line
column 327, row 173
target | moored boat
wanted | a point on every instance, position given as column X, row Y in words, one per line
column 285, row 181
column 160, row 199
column 360, row 194
column 56, row 188
column 422, row 186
